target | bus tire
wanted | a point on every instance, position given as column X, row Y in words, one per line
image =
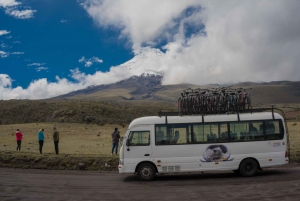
column 248, row 168
column 146, row 172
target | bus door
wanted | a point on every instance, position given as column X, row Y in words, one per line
column 137, row 147
column 174, row 149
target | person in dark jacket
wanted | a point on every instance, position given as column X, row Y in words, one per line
column 41, row 140
column 19, row 137
column 115, row 141
column 55, row 139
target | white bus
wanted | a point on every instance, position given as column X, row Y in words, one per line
column 244, row 143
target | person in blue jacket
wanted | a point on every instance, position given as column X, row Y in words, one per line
column 41, row 139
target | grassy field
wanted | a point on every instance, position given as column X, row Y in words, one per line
column 294, row 137
column 75, row 138
column 80, row 143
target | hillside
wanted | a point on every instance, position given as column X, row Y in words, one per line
column 149, row 88
column 132, row 90
column 131, row 98
column 76, row 111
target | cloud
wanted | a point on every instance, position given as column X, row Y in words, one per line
column 192, row 41
column 42, row 88
column 23, row 14
column 114, row 75
column 5, row 80
column 3, row 32
column 139, row 21
column 41, row 68
column 64, row 21
column 36, row 89
column 3, row 45
column 36, row 64
column 8, row 3
column 235, row 40
column 81, row 60
column 3, row 54
column 17, row 53
column 91, row 61
column 12, row 9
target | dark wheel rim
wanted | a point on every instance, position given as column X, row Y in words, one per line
column 249, row 167
column 146, row 172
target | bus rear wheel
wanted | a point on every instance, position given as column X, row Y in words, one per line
column 146, row 172
column 248, row 168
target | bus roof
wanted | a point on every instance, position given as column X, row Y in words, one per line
column 207, row 118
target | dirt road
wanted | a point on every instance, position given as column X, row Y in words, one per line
column 273, row 184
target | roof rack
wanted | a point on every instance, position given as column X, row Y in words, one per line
column 251, row 110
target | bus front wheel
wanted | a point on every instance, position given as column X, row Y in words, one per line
column 248, row 168
column 146, row 172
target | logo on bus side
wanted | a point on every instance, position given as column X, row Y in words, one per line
column 216, row 153
column 274, row 144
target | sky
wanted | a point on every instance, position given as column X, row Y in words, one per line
column 53, row 47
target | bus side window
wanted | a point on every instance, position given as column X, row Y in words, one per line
column 273, row 131
column 223, row 137
column 270, row 128
column 233, row 136
column 160, row 135
column 212, row 137
column 176, row 137
column 261, row 128
column 195, row 137
column 173, row 134
column 208, row 138
column 253, row 132
column 245, row 131
column 139, row 138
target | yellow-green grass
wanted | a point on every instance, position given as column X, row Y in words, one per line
column 294, row 137
column 75, row 138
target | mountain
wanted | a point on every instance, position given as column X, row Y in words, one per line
column 134, row 88
column 132, row 98
column 139, row 61
column 148, row 87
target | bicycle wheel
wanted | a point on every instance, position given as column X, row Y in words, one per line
column 248, row 99
column 179, row 105
column 185, row 106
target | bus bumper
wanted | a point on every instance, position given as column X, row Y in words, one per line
column 121, row 169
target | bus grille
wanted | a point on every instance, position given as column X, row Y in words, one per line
column 175, row 168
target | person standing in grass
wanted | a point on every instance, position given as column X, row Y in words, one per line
column 55, row 139
column 115, row 141
column 41, row 140
column 19, row 137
